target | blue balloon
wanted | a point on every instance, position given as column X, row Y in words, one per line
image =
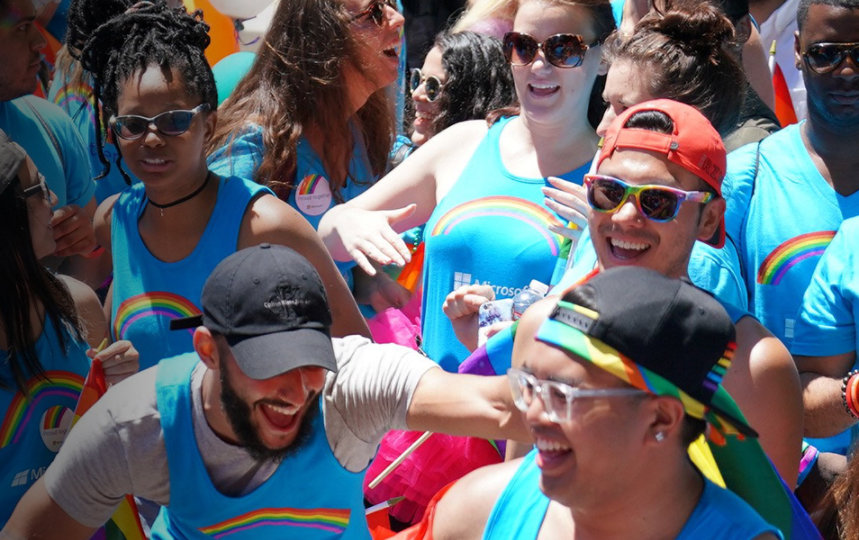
column 230, row 70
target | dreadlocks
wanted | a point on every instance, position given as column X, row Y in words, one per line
column 124, row 39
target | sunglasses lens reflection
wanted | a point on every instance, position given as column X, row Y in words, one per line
column 560, row 50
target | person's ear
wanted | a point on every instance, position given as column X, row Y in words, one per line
column 211, row 123
column 667, row 419
column 711, row 217
column 206, row 347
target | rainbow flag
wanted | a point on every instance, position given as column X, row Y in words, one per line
column 784, row 110
column 124, row 524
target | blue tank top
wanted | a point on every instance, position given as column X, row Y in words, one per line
column 34, row 426
column 521, row 508
column 147, row 292
column 491, row 229
column 310, row 496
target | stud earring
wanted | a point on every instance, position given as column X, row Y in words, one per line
column 660, row 436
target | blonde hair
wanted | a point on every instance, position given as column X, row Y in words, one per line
column 479, row 10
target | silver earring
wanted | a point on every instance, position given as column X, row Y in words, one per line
column 659, row 436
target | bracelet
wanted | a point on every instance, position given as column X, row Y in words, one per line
column 850, row 393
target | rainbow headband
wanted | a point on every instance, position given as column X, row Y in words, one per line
column 563, row 330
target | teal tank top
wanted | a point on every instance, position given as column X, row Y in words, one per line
column 309, row 497
column 35, row 425
column 148, row 292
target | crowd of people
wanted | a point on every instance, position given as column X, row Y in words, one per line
column 226, row 270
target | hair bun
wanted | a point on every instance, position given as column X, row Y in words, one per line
column 699, row 29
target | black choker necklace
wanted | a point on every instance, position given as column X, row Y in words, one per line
column 183, row 199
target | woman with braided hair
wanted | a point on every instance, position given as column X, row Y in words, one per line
column 168, row 232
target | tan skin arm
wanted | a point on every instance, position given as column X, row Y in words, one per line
column 38, row 517
column 821, row 393
column 366, row 228
column 271, row 220
column 755, row 56
column 89, row 310
column 464, row 510
column 465, row 405
column 765, row 384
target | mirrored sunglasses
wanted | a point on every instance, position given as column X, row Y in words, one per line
column 432, row 85
column 376, row 11
column 560, row 50
column 169, row 123
column 658, row 203
column 826, row 57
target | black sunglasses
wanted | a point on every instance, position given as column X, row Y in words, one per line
column 658, row 203
column 825, row 57
column 376, row 11
column 171, row 123
column 40, row 188
column 432, row 86
column 561, row 50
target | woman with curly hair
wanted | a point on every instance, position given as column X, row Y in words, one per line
column 464, row 77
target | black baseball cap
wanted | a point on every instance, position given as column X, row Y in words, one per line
column 658, row 334
column 269, row 303
column 11, row 158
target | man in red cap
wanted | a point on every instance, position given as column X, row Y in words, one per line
column 657, row 190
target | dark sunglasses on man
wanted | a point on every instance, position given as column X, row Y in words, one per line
column 826, row 57
column 560, row 50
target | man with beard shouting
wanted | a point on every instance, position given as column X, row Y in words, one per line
column 265, row 430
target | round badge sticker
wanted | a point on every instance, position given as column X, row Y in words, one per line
column 313, row 195
column 54, row 425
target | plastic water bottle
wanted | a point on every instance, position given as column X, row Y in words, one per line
column 527, row 296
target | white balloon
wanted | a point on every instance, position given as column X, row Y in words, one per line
column 240, row 9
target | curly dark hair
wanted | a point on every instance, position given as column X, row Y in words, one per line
column 685, row 52
column 117, row 39
column 25, row 283
column 478, row 78
column 297, row 81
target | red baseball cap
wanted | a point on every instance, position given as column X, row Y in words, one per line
column 694, row 144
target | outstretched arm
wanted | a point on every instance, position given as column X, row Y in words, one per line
column 467, row 405
column 365, row 229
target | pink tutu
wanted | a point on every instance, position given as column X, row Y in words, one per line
column 440, row 460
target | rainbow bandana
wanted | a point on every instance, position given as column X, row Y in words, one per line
column 681, row 337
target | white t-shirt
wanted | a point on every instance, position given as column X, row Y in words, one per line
column 118, row 446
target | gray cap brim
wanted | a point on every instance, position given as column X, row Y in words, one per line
column 269, row 355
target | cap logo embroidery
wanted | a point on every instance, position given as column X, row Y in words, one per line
column 710, row 168
column 283, row 303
